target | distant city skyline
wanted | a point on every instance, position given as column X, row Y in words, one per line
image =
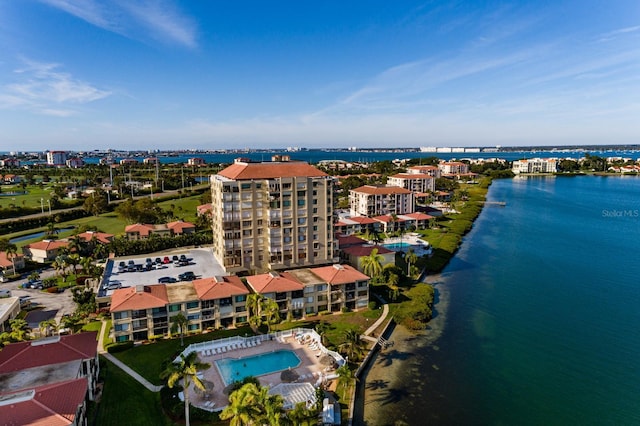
column 162, row 74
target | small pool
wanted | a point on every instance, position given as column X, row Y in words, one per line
column 399, row 246
column 257, row 365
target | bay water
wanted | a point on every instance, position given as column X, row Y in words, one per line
column 542, row 320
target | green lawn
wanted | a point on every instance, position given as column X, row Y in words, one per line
column 93, row 326
column 147, row 360
column 184, row 208
column 31, row 199
column 106, row 340
column 126, row 402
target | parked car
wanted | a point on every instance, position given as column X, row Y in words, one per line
column 187, row 276
column 174, row 258
column 183, row 257
column 166, row 260
column 167, row 280
column 114, row 285
column 35, row 284
column 157, row 261
column 148, row 260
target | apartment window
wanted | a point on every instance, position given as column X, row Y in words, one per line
column 286, row 203
column 321, row 287
column 194, row 327
column 121, row 315
column 302, row 193
column 241, row 298
column 301, row 203
column 241, row 308
column 175, row 308
column 192, row 305
column 193, row 317
column 245, row 186
column 121, row 327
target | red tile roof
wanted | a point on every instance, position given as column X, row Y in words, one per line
column 179, row 226
column 51, row 405
column 101, row 237
column 47, row 245
column 219, row 287
column 412, row 176
column 418, row 216
column 423, row 168
column 366, row 250
column 22, row 355
column 152, row 296
column 361, row 220
column 244, row 171
column 381, row 190
column 339, row 274
column 350, row 240
column 141, row 228
column 5, row 262
column 273, row 282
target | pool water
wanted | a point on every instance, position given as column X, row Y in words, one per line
column 398, row 246
column 257, row 365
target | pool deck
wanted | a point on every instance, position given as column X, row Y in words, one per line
column 309, row 370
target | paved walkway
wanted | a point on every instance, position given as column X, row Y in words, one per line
column 144, row 382
column 385, row 312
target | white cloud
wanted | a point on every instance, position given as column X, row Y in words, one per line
column 42, row 88
column 157, row 19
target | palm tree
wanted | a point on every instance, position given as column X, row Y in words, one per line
column 394, row 291
column 301, row 415
column 74, row 260
column 411, row 258
column 254, row 305
column 372, row 264
column 179, row 322
column 344, row 375
column 243, row 408
column 272, row 411
column 186, row 369
column 271, row 311
column 353, row 345
column 322, row 328
column 12, row 252
column 19, row 330
column 46, row 326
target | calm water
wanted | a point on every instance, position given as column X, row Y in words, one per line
column 270, row 362
column 543, row 324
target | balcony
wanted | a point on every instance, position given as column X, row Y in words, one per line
column 139, row 327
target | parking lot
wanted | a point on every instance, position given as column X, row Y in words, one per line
column 54, row 305
column 132, row 271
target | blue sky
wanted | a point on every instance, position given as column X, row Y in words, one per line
column 162, row 74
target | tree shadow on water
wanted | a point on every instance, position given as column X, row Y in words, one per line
column 389, row 355
column 377, row 384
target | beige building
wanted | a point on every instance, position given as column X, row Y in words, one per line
column 139, row 313
column 272, row 216
column 453, row 168
column 535, row 165
column 370, row 200
column 415, row 182
column 140, row 231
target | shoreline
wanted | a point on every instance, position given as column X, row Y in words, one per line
column 390, row 369
column 384, row 381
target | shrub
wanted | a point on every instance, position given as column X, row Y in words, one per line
column 373, row 305
column 324, row 313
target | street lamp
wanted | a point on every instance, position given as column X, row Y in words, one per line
column 42, row 205
column 49, row 204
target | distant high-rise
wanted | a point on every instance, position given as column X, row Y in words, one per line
column 56, row 158
column 272, row 215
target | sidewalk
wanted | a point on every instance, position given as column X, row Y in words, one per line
column 383, row 317
column 144, row 382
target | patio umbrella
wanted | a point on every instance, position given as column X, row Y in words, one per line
column 289, row 376
column 208, row 386
column 327, row 359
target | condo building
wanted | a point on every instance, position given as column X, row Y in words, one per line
column 372, row 200
column 272, row 216
column 535, row 165
column 142, row 312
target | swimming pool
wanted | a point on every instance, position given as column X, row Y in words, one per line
column 256, row 365
column 399, row 246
